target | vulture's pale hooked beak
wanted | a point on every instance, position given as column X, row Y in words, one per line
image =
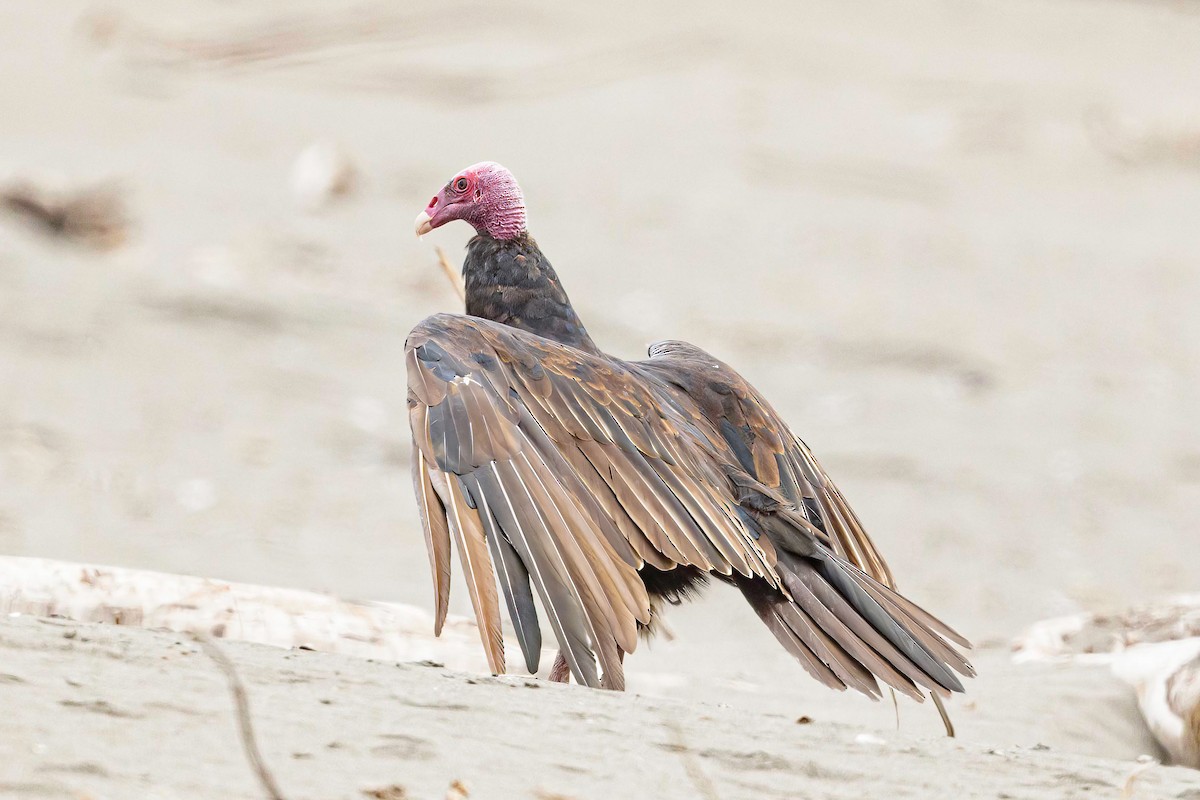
column 424, row 223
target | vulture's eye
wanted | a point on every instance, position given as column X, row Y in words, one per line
column 460, row 185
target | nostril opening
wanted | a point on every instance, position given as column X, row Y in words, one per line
column 433, row 202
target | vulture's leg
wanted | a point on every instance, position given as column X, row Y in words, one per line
column 560, row 672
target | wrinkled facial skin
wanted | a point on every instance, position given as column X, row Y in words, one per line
column 458, row 199
column 486, row 195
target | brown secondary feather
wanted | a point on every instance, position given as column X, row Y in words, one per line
column 477, row 567
column 437, row 537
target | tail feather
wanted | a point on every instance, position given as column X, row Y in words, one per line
column 907, row 641
column 847, row 669
column 919, row 614
column 858, row 637
column 936, row 644
column 847, row 631
column 766, row 602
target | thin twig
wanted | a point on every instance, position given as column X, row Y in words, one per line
column 691, row 765
column 1131, row 779
column 941, row 707
column 242, row 702
column 452, row 276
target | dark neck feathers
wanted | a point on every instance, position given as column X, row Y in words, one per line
column 511, row 282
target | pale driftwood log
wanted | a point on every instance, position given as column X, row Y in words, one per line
column 1155, row 648
column 1095, row 637
column 1166, row 677
column 239, row 611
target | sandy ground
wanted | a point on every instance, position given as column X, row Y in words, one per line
column 954, row 243
column 334, row 727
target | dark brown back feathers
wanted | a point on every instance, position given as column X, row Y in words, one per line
column 511, row 282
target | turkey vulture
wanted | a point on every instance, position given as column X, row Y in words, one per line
column 608, row 486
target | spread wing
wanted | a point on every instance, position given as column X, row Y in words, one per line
column 786, row 480
column 768, row 451
column 564, row 472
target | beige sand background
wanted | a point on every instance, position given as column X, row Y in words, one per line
column 954, row 242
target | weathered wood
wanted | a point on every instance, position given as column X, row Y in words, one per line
column 270, row 615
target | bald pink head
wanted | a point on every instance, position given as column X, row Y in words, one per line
column 485, row 195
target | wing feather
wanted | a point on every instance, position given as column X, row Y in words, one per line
column 564, row 472
column 589, row 566
column 526, row 529
column 851, row 540
column 767, row 605
column 767, row 450
column 607, row 505
column 514, row 580
column 437, row 537
column 477, row 567
column 574, row 477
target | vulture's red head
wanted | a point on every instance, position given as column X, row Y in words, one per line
column 485, row 195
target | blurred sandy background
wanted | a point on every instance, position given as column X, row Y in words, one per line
column 955, row 243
